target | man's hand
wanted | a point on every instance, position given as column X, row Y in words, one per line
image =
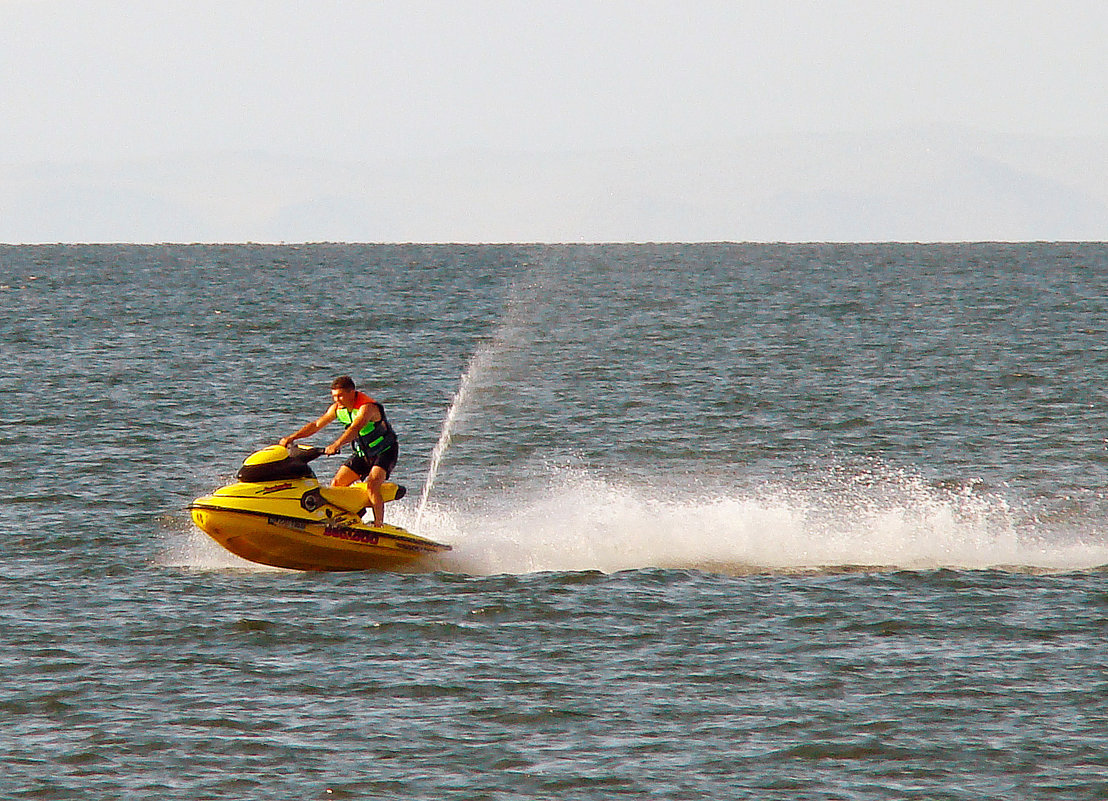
column 332, row 449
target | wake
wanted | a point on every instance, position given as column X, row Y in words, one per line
column 574, row 522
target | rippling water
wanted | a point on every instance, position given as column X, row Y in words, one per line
column 729, row 521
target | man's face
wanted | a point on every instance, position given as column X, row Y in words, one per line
column 344, row 397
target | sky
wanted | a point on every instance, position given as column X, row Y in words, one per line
column 116, row 83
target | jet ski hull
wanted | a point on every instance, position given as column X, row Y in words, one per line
column 299, row 525
column 300, row 544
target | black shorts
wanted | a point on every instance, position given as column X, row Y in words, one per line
column 385, row 459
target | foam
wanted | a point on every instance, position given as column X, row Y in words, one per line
column 574, row 521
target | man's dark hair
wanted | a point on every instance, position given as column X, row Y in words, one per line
column 343, row 382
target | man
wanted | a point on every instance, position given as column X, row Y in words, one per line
column 374, row 442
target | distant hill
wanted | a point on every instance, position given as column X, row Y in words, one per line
column 930, row 185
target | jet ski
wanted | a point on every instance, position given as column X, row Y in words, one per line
column 278, row 514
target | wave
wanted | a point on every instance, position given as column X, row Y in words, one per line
column 879, row 520
column 892, row 521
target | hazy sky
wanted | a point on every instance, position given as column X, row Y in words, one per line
column 359, row 80
column 566, row 120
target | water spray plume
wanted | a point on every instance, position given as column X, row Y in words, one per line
column 447, row 434
column 486, row 358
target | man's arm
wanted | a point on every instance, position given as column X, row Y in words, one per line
column 310, row 428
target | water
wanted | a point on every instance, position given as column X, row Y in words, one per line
column 729, row 521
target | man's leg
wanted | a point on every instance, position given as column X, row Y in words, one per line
column 373, row 484
column 344, row 477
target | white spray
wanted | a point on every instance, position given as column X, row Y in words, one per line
column 485, row 361
column 476, row 365
column 568, row 520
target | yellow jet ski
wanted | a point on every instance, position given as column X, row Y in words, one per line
column 278, row 514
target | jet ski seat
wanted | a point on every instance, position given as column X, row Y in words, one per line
column 355, row 498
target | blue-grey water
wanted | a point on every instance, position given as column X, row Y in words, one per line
column 729, row 521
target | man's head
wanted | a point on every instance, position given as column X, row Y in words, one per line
column 343, row 390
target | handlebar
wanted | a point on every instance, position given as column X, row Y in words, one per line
column 305, row 454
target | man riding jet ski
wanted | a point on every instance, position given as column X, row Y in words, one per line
column 278, row 514
column 367, row 429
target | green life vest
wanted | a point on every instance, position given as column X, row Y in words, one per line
column 374, row 435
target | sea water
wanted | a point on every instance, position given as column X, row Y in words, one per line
column 729, row 521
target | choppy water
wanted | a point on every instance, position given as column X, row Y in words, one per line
column 730, row 521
